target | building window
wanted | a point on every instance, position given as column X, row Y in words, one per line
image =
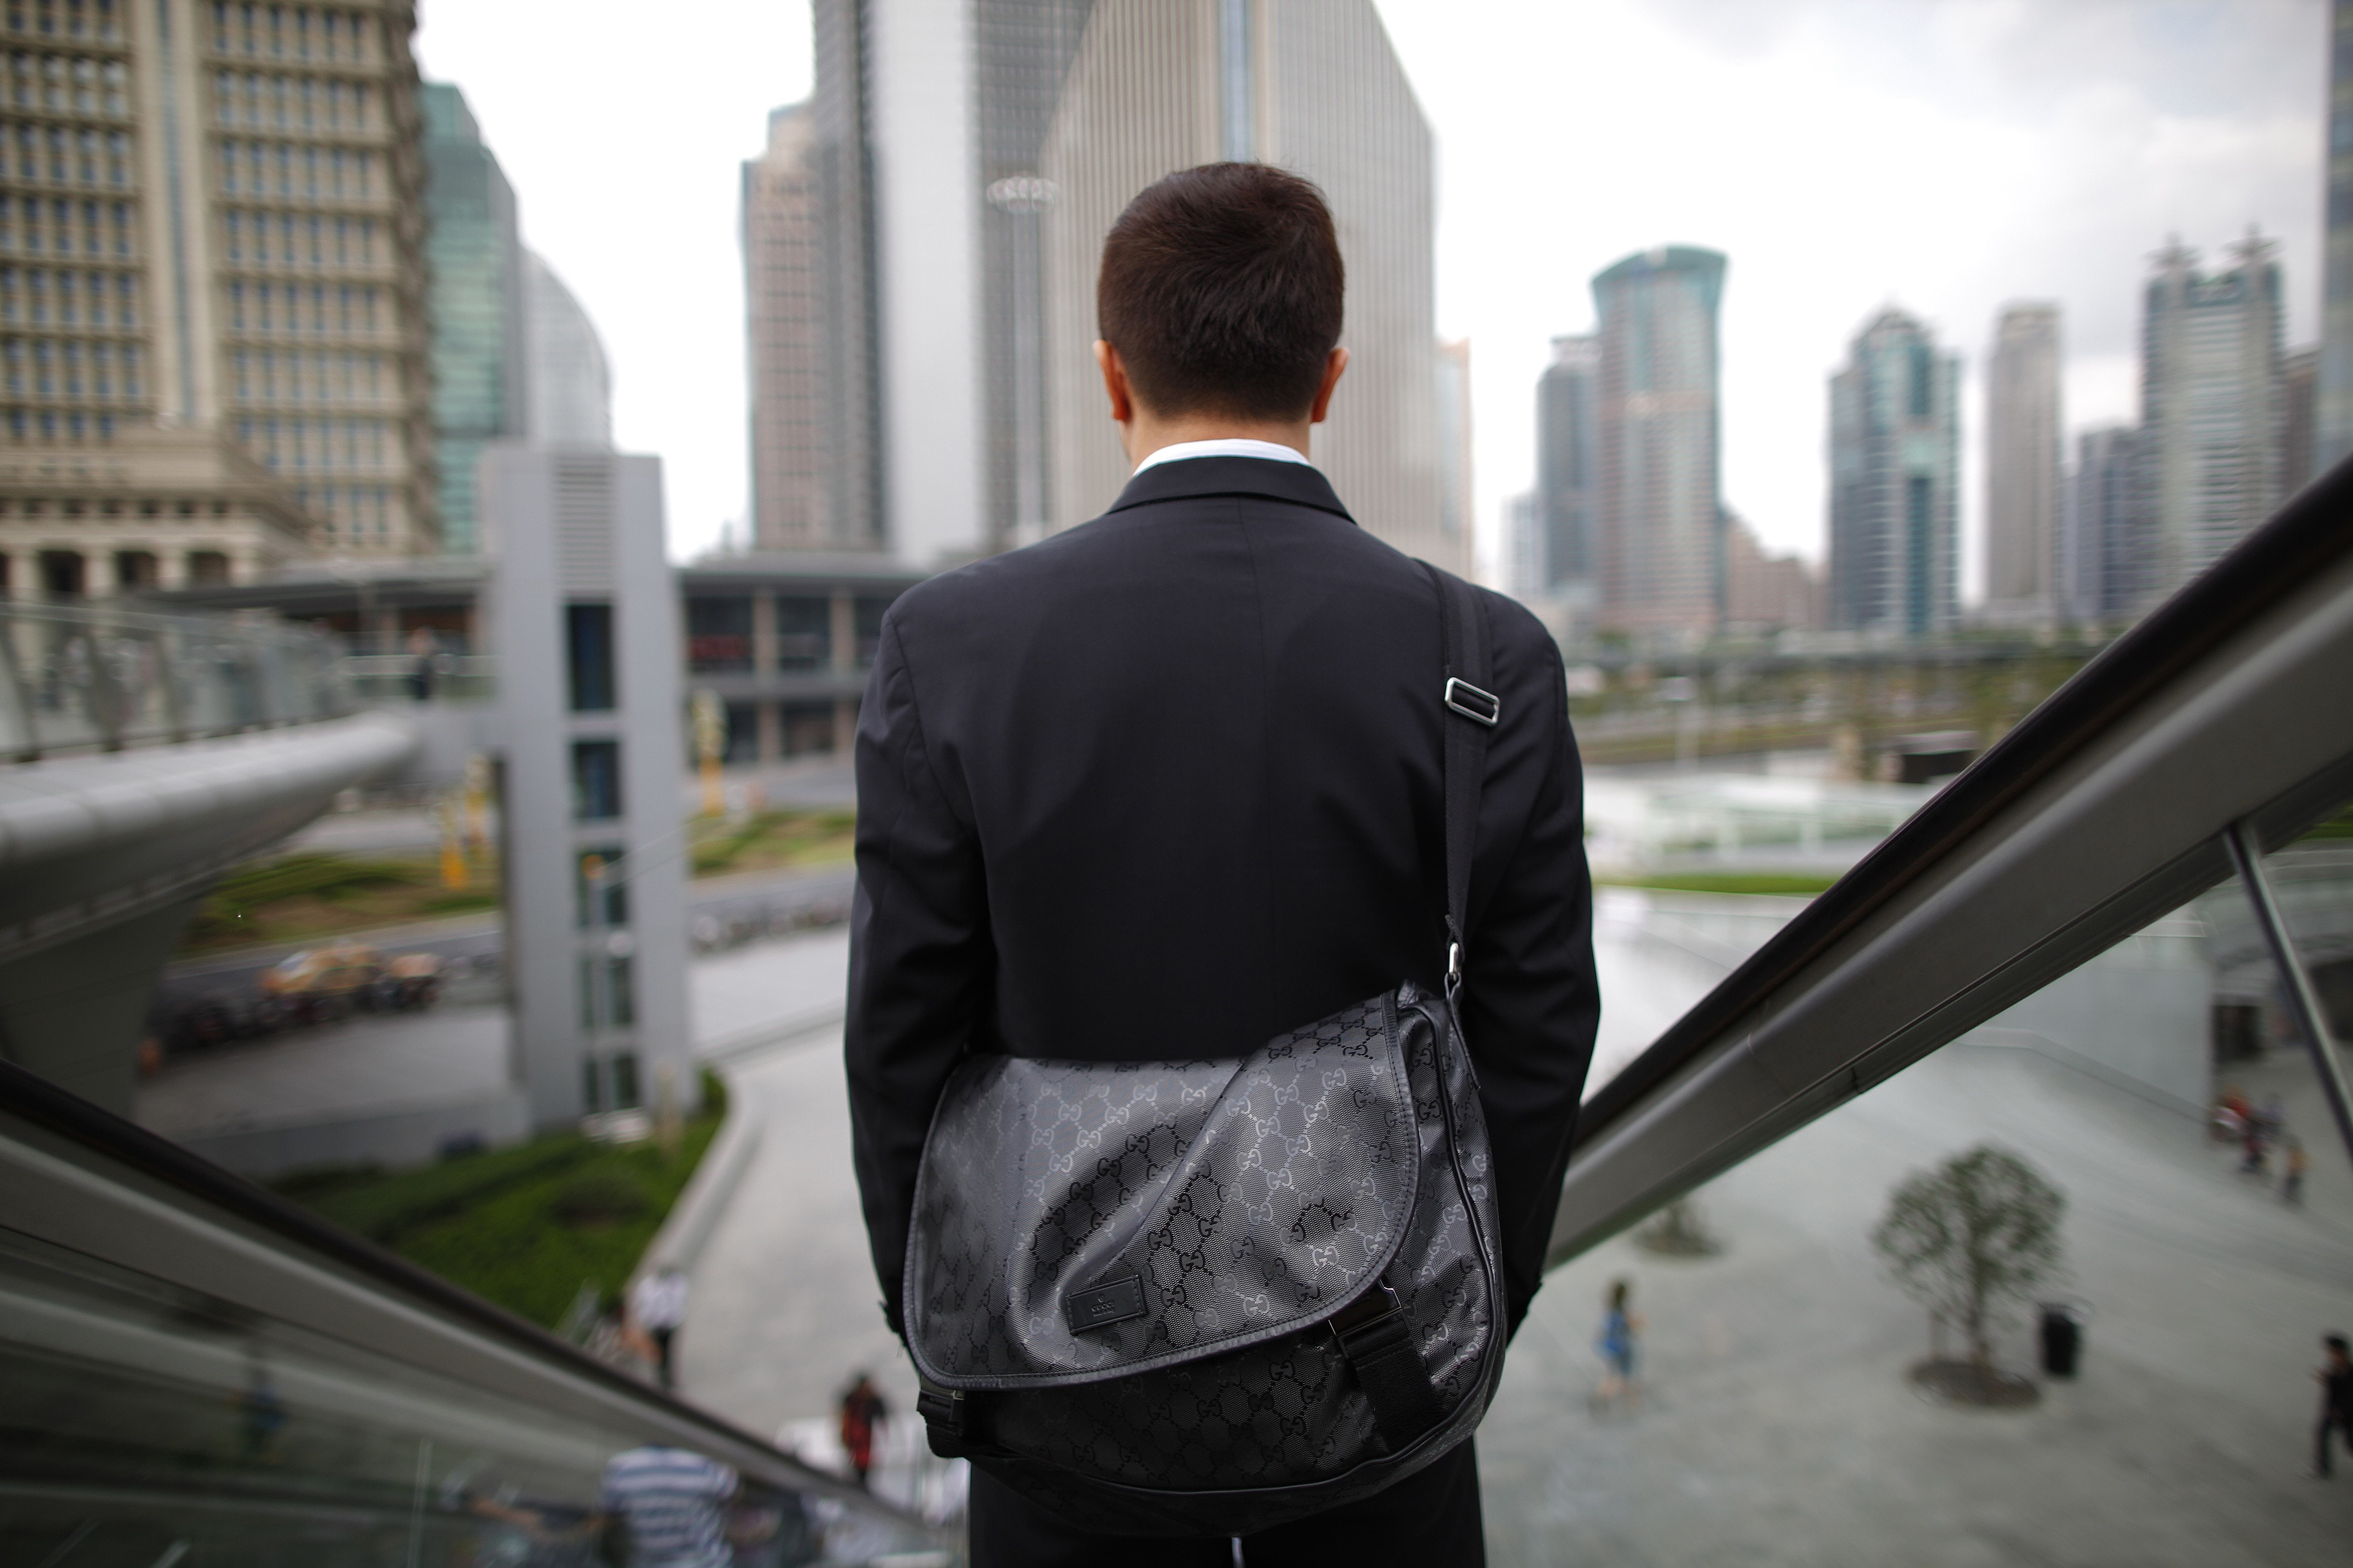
column 61, row 574
column 588, row 647
column 616, row 912
column 135, row 570
column 718, row 635
column 207, row 566
column 596, row 779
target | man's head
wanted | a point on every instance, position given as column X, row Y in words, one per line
column 1219, row 299
column 2339, row 1350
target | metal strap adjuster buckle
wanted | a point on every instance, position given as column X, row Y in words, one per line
column 1484, row 707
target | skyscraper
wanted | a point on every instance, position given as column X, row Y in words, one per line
column 477, row 306
column 788, row 354
column 1658, row 513
column 1895, row 472
column 1312, row 86
column 210, row 228
column 2210, row 406
column 2334, row 433
column 1568, row 458
column 2022, row 462
column 2106, row 549
column 571, row 397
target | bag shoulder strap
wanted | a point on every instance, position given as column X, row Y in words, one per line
column 1470, row 711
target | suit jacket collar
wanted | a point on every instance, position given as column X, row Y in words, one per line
column 1187, row 479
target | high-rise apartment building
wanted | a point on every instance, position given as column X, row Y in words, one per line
column 2023, row 463
column 1566, row 459
column 1314, row 86
column 2333, row 436
column 571, row 388
column 1766, row 592
column 478, row 314
column 2105, row 550
column 1659, row 510
column 1894, row 482
column 211, row 229
column 2212, row 420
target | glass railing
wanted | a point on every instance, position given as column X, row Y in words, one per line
column 192, row 1371
column 1998, row 1204
column 97, row 677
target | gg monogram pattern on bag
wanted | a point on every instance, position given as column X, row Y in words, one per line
column 1247, row 1197
column 1288, row 1412
column 1275, row 1428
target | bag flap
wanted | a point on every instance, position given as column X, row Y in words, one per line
column 1076, row 1221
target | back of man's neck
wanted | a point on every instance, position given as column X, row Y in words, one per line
column 1147, row 433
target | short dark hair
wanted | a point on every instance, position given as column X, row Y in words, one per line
column 1220, row 288
column 2338, row 1343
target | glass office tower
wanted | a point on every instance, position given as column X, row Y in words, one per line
column 1894, row 473
column 1658, row 521
column 477, row 306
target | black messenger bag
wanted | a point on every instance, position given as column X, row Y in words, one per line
column 1205, row 1298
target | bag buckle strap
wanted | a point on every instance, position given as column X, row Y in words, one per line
column 1483, row 707
column 1378, row 1342
column 942, row 1409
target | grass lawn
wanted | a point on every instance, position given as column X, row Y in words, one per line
column 1786, row 885
column 522, row 1227
column 771, row 840
column 312, row 895
column 309, row 895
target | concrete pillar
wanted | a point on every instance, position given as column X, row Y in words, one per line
column 768, row 720
column 763, row 634
column 74, row 1012
column 845, row 726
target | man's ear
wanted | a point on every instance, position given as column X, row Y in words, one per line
column 1114, row 374
column 1333, row 366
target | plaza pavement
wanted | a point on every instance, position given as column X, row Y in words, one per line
column 1778, row 1426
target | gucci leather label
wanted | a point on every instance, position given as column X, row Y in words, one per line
column 1114, row 1303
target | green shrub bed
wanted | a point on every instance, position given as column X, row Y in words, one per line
column 523, row 1227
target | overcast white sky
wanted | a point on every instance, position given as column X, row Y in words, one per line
column 1946, row 155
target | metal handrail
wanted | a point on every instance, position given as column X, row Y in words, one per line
column 2291, row 579
column 105, row 677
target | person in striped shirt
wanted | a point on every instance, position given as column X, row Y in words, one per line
column 674, row 1501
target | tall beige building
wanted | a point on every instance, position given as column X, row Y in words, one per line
column 2022, row 420
column 1312, row 86
column 212, row 314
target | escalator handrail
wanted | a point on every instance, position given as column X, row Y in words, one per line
column 2310, row 534
column 34, row 1099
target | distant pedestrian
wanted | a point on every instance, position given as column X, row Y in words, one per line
column 2254, row 1148
column 2293, row 1163
column 1621, row 1329
column 423, row 649
column 658, row 1304
column 862, row 1412
column 672, row 1501
column 2335, row 1380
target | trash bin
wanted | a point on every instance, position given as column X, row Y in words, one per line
column 2063, row 1338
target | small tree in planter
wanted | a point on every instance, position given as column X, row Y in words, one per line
column 1966, row 1240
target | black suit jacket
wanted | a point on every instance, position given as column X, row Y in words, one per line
column 1168, row 784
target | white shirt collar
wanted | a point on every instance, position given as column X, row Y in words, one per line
column 1229, row 446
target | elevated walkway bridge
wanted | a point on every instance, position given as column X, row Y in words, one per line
column 141, row 755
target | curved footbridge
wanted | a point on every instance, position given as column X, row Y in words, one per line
column 153, row 752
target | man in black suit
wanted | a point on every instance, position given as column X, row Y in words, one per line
column 1169, row 783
